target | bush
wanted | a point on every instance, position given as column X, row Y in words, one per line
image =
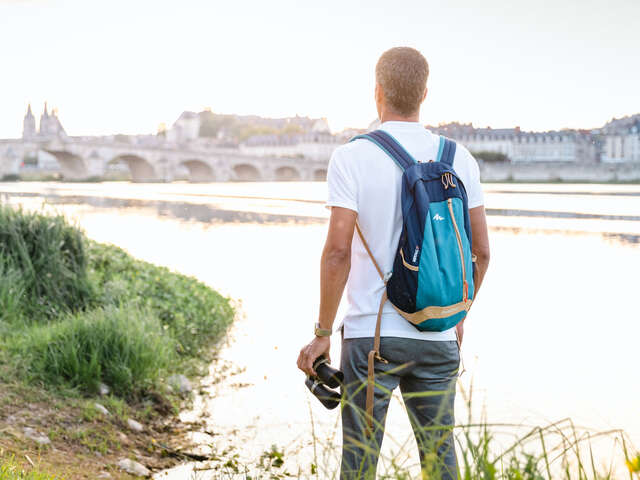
column 10, row 177
column 125, row 348
column 49, row 255
column 194, row 314
column 73, row 311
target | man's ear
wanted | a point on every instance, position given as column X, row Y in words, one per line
column 379, row 97
column 424, row 97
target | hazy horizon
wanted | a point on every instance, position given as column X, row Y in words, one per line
column 127, row 67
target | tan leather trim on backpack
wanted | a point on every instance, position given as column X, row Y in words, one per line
column 434, row 312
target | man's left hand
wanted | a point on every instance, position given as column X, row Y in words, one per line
column 311, row 351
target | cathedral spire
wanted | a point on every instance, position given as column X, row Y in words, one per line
column 46, row 114
column 29, row 124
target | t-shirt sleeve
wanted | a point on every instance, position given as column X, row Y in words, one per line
column 341, row 186
column 475, row 195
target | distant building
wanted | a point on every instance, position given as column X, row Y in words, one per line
column 29, row 125
column 314, row 146
column 50, row 125
column 185, row 129
column 518, row 146
column 621, row 140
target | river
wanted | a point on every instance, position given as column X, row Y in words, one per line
column 555, row 331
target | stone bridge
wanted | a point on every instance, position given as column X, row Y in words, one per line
column 81, row 158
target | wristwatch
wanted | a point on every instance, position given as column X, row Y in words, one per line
column 321, row 332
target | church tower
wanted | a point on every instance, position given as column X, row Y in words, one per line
column 29, row 125
column 45, row 128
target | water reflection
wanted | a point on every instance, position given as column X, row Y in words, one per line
column 213, row 213
column 180, row 210
column 552, row 335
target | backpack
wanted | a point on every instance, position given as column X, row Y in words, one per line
column 431, row 284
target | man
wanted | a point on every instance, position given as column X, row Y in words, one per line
column 364, row 184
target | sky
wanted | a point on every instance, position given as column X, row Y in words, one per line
column 127, row 66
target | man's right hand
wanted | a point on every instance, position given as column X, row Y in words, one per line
column 460, row 331
column 311, row 351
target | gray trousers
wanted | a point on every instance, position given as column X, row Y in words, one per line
column 426, row 372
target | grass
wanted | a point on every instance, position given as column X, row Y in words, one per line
column 123, row 347
column 48, row 256
column 192, row 313
column 10, row 470
column 75, row 313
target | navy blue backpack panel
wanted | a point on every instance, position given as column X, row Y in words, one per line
column 431, row 284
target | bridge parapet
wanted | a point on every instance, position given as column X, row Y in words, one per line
column 81, row 157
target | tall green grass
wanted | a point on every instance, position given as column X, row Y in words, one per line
column 49, row 253
column 124, row 347
column 78, row 313
column 555, row 451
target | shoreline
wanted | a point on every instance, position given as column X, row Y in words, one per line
column 95, row 363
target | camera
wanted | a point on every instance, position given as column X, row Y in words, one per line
column 327, row 376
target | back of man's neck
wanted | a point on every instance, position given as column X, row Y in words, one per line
column 390, row 117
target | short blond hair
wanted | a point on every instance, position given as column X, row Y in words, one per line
column 402, row 73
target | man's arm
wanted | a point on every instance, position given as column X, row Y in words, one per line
column 334, row 271
column 480, row 241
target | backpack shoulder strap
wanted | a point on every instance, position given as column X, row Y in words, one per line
column 390, row 146
column 446, row 151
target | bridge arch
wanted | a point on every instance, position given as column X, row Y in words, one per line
column 141, row 170
column 287, row 174
column 320, row 174
column 72, row 166
column 199, row 171
column 244, row 172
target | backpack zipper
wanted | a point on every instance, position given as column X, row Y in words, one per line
column 465, row 287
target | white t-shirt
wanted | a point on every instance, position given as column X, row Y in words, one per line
column 363, row 178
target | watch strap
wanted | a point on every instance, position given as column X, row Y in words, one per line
column 321, row 332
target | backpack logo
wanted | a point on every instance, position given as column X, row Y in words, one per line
column 438, row 217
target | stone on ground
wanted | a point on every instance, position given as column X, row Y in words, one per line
column 180, row 383
column 101, row 408
column 36, row 436
column 133, row 467
column 135, row 426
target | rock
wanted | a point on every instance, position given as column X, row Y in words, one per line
column 133, row 425
column 101, row 408
column 36, row 436
column 104, row 475
column 180, row 383
column 134, row 468
column 103, row 389
column 123, row 438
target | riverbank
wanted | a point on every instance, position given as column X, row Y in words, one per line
column 96, row 352
column 205, row 230
column 490, row 172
